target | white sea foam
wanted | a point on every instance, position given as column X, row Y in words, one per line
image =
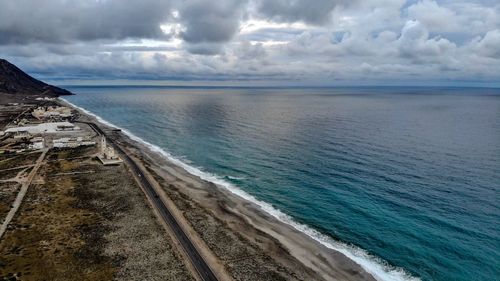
column 377, row 267
column 235, row 178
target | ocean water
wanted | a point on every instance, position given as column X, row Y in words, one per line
column 406, row 181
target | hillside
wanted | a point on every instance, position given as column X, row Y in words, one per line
column 15, row 81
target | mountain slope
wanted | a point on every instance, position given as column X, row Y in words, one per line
column 15, row 81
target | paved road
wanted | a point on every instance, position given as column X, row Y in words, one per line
column 204, row 271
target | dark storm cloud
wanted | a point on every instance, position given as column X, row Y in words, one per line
column 313, row 12
column 204, row 48
column 210, row 21
column 61, row 21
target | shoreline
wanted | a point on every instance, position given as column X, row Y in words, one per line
column 319, row 253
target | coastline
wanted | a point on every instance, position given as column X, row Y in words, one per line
column 76, row 219
column 292, row 244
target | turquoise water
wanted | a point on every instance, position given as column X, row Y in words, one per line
column 409, row 175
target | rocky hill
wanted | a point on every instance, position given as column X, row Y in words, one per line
column 15, row 81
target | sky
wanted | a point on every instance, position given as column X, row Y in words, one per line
column 255, row 42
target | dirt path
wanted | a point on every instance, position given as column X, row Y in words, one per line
column 22, row 193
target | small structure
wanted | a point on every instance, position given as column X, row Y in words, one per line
column 72, row 142
column 44, row 128
column 65, row 126
column 21, row 134
column 36, row 143
column 107, row 154
column 45, row 98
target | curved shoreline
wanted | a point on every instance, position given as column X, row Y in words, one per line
column 371, row 265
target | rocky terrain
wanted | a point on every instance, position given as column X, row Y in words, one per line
column 14, row 81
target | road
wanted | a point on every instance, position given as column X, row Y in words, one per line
column 22, row 193
column 201, row 266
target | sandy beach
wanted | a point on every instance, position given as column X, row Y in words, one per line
column 245, row 238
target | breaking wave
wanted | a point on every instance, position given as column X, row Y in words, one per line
column 377, row 267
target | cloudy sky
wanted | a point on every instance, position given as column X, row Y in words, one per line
column 272, row 42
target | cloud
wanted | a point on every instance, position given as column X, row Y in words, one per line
column 464, row 18
column 210, row 21
column 317, row 12
column 415, row 43
column 488, row 46
column 208, row 24
column 204, row 48
column 60, row 21
column 249, row 51
column 254, row 40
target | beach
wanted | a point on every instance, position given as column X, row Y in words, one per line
column 261, row 241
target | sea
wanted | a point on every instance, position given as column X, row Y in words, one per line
column 403, row 180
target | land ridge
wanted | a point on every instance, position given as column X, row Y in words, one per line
column 14, row 81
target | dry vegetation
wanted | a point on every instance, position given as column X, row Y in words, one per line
column 86, row 221
column 17, row 160
column 12, row 166
column 8, row 191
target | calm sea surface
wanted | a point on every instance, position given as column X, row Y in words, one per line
column 410, row 175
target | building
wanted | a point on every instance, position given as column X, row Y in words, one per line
column 65, row 126
column 21, row 134
column 36, row 143
column 45, row 98
column 107, row 154
column 44, row 128
column 72, row 142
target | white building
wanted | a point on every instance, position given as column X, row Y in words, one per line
column 21, row 134
column 37, row 143
column 44, row 128
column 72, row 142
column 108, row 155
column 45, row 98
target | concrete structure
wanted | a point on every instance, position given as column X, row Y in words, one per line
column 44, row 128
column 21, row 134
column 37, row 143
column 45, row 98
column 72, row 142
column 52, row 112
column 107, row 154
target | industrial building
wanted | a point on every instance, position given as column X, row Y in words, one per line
column 43, row 128
column 72, row 142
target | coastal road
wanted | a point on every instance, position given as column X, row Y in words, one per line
column 204, row 271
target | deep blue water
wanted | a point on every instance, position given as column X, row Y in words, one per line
column 411, row 175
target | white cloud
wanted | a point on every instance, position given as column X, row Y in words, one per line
column 415, row 43
column 488, row 46
column 461, row 17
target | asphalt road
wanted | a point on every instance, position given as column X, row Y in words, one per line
column 204, row 271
